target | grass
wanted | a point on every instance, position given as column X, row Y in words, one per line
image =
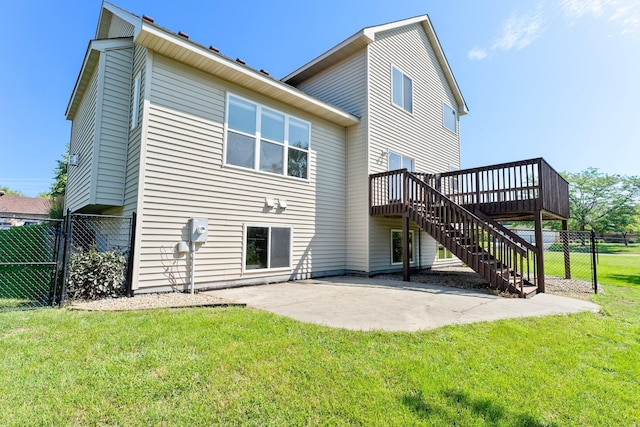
column 620, row 270
column 235, row 366
column 619, row 248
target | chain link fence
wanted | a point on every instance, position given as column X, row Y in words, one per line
column 569, row 259
column 97, row 257
column 29, row 262
column 44, row 262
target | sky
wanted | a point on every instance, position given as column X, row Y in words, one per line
column 542, row 78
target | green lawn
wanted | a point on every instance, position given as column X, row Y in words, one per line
column 230, row 366
column 622, row 270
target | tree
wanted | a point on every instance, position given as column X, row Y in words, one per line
column 602, row 202
column 7, row 190
column 59, row 187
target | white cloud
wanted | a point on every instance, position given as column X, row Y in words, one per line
column 575, row 9
column 520, row 30
column 477, row 54
column 625, row 12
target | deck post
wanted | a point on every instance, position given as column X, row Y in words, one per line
column 566, row 249
column 406, row 260
column 406, row 274
column 540, row 249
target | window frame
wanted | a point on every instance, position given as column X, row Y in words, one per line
column 245, row 233
column 446, row 106
column 135, row 108
column 258, row 140
column 412, row 249
column 402, row 90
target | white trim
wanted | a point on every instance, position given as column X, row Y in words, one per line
column 245, row 226
column 260, row 82
column 135, row 109
column 412, row 244
column 444, row 104
column 258, row 139
column 401, row 107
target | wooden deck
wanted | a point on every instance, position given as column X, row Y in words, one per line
column 512, row 191
column 461, row 210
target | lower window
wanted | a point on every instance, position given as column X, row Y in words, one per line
column 267, row 247
column 396, row 246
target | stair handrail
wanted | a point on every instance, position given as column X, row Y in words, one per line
column 486, row 227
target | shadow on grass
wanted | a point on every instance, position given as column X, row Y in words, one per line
column 631, row 279
column 460, row 402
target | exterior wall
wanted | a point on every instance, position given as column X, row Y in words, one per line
column 345, row 85
column 119, row 28
column 420, row 135
column 184, row 177
column 81, row 144
column 424, row 247
column 112, row 142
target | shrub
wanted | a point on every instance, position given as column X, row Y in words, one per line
column 95, row 275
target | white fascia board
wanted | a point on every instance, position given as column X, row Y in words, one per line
column 372, row 31
column 357, row 36
column 95, row 48
column 120, row 13
column 437, row 47
column 234, row 67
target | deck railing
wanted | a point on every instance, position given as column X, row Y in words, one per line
column 523, row 186
column 486, row 247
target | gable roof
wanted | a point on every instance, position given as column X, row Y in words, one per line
column 12, row 204
column 177, row 46
column 367, row 35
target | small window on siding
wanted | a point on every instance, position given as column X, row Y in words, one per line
column 396, row 246
column 267, row 247
column 135, row 108
column 402, row 90
column 449, row 118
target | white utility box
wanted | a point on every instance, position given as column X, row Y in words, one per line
column 199, row 229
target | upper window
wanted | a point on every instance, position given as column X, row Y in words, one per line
column 449, row 118
column 402, row 90
column 264, row 139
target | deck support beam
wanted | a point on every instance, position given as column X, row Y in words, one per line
column 406, row 254
column 566, row 249
column 540, row 247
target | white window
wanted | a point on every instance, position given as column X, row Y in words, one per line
column 396, row 246
column 398, row 161
column 267, row 247
column 135, row 108
column 449, row 118
column 402, row 90
column 267, row 140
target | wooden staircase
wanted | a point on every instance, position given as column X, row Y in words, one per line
column 505, row 260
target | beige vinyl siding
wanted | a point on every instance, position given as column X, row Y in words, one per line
column 421, row 135
column 345, row 85
column 133, row 150
column 423, row 246
column 185, row 177
column 119, row 28
column 114, row 127
column 81, row 144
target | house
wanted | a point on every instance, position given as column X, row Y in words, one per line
column 16, row 209
column 240, row 178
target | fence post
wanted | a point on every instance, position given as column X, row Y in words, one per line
column 593, row 261
column 132, row 242
column 566, row 248
column 66, row 236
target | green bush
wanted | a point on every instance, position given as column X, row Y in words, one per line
column 95, row 275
